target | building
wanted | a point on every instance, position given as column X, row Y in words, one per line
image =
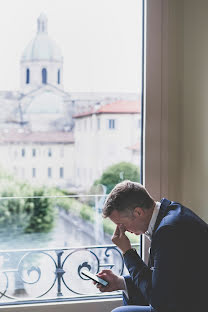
column 105, row 135
column 43, row 158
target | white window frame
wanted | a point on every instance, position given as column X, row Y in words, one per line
column 156, row 100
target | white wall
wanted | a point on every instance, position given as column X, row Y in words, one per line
column 96, row 149
column 188, row 109
column 195, row 107
column 177, row 95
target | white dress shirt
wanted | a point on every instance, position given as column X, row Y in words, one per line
column 151, row 226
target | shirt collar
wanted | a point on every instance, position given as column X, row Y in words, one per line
column 151, row 226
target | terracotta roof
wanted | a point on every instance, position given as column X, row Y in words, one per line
column 118, row 107
column 36, row 137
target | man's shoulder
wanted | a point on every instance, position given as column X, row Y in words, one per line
column 181, row 219
column 174, row 211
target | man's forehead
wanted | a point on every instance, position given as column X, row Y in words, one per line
column 116, row 216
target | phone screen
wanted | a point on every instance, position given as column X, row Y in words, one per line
column 95, row 278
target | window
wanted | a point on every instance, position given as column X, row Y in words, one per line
column 63, row 190
column 61, row 172
column 23, row 152
column 98, row 123
column 33, row 152
column 111, row 123
column 58, row 77
column 27, row 76
column 44, row 75
column 49, row 152
column 34, row 172
column 49, row 172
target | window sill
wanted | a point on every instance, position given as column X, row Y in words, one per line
column 101, row 305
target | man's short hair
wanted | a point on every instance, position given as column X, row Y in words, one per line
column 126, row 196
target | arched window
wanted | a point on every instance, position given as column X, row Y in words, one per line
column 59, row 77
column 44, row 75
column 27, row 75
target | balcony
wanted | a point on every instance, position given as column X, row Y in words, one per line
column 33, row 269
column 47, row 275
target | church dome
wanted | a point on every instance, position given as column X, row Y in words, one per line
column 42, row 47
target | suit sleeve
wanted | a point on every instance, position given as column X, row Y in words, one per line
column 141, row 276
column 160, row 285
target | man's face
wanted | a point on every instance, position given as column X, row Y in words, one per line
column 133, row 222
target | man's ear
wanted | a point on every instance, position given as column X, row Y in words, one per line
column 138, row 212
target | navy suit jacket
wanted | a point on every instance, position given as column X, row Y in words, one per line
column 176, row 279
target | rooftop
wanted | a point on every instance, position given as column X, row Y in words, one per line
column 117, row 107
column 19, row 136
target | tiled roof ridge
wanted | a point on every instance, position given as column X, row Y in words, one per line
column 116, row 107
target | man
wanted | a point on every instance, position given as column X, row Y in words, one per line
column 177, row 276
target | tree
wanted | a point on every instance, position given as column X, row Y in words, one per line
column 32, row 214
column 117, row 173
column 42, row 219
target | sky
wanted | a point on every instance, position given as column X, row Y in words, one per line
column 100, row 41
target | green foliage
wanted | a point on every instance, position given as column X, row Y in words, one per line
column 42, row 218
column 117, row 173
column 13, row 211
column 38, row 214
column 32, row 214
column 75, row 206
column 87, row 213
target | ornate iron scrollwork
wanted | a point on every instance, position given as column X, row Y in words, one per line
column 54, row 273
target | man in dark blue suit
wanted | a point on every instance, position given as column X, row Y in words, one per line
column 177, row 275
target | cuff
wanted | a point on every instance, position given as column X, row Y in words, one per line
column 125, row 290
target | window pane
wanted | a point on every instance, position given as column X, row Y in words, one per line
column 23, row 152
column 61, row 172
column 70, row 124
column 33, row 152
column 33, row 172
column 49, row 172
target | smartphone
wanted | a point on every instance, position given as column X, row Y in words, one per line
column 95, row 278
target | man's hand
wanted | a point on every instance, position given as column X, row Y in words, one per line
column 120, row 239
column 115, row 282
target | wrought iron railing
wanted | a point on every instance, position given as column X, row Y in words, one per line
column 48, row 274
column 54, row 273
